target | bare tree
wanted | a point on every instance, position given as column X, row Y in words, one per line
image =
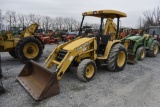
column 150, row 18
column 72, row 23
column 1, row 20
column 27, row 20
column 140, row 23
column 32, row 18
column 53, row 25
column 11, row 18
column 95, row 26
column 46, row 23
column 21, row 19
column 38, row 19
column 59, row 21
column 66, row 23
column 77, row 25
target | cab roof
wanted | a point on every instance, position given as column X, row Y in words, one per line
column 107, row 13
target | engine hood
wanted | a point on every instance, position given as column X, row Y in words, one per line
column 134, row 38
column 76, row 43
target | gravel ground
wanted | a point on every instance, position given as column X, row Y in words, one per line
column 137, row 85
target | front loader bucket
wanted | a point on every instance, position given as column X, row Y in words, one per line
column 38, row 81
column 132, row 59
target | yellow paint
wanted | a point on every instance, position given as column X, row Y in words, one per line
column 108, row 48
column 30, row 50
column 121, row 58
column 126, row 44
column 76, row 43
column 107, row 13
column 156, row 48
column 29, row 31
column 110, row 28
column 142, row 54
column 89, row 71
column 9, row 43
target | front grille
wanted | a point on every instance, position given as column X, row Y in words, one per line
column 61, row 55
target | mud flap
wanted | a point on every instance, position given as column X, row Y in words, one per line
column 38, row 81
column 132, row 59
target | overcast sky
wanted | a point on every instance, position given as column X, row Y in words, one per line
column 74, row 8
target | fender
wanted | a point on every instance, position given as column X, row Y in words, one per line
column 150, row 42
column 108, row 48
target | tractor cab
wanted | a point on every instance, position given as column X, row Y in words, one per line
column 106, row 32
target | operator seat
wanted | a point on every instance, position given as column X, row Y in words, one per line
column 104, row 39
column 103, row 43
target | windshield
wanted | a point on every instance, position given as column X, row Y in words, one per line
column 91, row 25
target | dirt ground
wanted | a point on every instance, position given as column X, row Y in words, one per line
column 137, row 85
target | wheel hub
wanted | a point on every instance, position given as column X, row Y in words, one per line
column 30, row 50
column 89, row 71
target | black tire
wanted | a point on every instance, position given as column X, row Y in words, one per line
column 141, row 53
column 113, row 58
column 33, row 45
column 84, row 67
column 12, row 53
column 154, row 49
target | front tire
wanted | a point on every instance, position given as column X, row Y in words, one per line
column 117, row 58
column 141, row 53
column 86, row 70
column 29, row 48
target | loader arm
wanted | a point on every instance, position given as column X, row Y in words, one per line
column 80, row 51
column 110, row 28
column 29, row 31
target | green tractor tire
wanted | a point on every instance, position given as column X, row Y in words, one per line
column 29, row 48
column 154, row 49
column 141, row 53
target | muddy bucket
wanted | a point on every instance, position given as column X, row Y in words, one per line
column 38, row 81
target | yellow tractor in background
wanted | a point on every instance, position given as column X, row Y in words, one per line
column 86, row 53
column 25, row 47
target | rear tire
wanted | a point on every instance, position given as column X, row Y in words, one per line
column 154, row 49
column 141, row 53
column 12, row 53
column 86, row 70
column 29, row 48
column 117, row 58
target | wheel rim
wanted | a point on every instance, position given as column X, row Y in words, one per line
column 89, row 71
column 142, row 54
column 121, row 58
column 30, row 50
column 156, row 49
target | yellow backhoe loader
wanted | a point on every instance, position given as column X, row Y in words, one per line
column 85, row 52
column 25, row 47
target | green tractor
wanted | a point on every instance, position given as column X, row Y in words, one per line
column 139, row 46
